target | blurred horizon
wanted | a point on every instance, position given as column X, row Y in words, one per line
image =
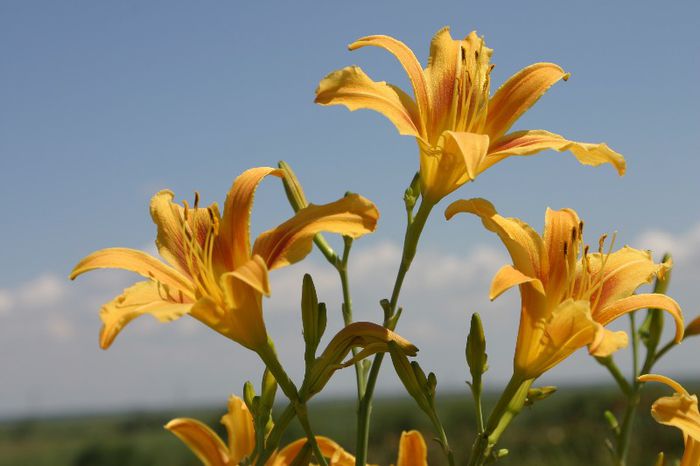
column 105, row 104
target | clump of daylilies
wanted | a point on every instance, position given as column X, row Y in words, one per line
column 570, row 292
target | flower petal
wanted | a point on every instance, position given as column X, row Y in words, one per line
column 623, row 271
column 562, row 236
column 203, row 441
column 135, row 261
column 441, row 77
column 234, row 235
column 530, row 142
column 254, row 273
column 329, row 449
column 410, row 64
column 454, row 163
column 518, row 94
column 351, row 87
column 412, row 450
column 240, row 429
column 353, row 216
column 641, row 301
column 606, row 342
column 169, row 217
column 508, row 277
column 147, row 297
column 525, row 246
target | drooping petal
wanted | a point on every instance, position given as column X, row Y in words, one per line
column 254, row 273
column 203, row 441
column 641, row 301
column 351, row 87
column 412, row 450
column 544, row 344
column 508, row 277
column 679, row 410
column 518, row 94
column 147, row 297
column 234, row 235
column 607, row 342
column 411, row 65
column 177, row 236
column 562, row 236
column 525, row 246
column 454, row 163
column 353, row 216
column 530, row 142
column 135, row 261
column 240, row 429
column 622, row 272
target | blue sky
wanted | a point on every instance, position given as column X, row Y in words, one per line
column 105, row 104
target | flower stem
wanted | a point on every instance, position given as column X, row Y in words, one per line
column 413, row 231
column 273, row 439
column 509, row 405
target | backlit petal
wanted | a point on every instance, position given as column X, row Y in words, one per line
column 412, row 449
column 530, row 142
column 518, row 94
column 623, row 271
column 508, row 277
column 351, row 87
column 254, row 273
column 525, row 246
column 235, row 225
column 147, row 297
column 203, row 441
column 607, row 342
column 240, row 429
column 169, row 217
column 441, row 77
column 410, row 64
column 632, row 303
column 134, row 261
column 353, row 216
column 562, row 237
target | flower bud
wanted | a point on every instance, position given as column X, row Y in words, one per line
column 693, row 328
column 249, row 395
column 292, row 187
column 269, row 390
column 476, row 348
column 538, row 394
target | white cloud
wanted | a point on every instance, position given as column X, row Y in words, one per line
column 6, row 302
column 684, row 246
column 43, row 291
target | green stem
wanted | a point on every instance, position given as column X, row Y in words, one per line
column 509, row 405
column 663, row 351
column 610, row 365
column 437, row 425
column 267, row 354
column 476, row 392
column 273, row 439
column 364, row 411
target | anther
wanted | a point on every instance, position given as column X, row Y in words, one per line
column 196, row 199
column 566, row 247
column 574, row 234
column 601, row 242
column 187, row 209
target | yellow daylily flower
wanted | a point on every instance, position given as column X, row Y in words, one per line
column 212, row 451
column 461, row 130
column 568, row 294
column 412, row 449
column 681, row 411
column 211, row 272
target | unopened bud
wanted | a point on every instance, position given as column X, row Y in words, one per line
column 292, row 187
column 539, row 394
column 269, row 390
column 612, row 421
column 651, row 329
column 476, row 348
column 249, row 395
column 693, row 328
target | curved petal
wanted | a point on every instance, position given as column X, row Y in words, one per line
column 641, row 301
column 240, row 429
column 172, row 241
column 234, row 235
column 508, row 277
column 607, row 342
column 329, row 449
column 441, row 77
column 242, row 321
column 518, row 94
column 525, row 246
column 680, row 411
column 622, row 272
column 412, row 450
column 530, row 142
column 353, row 216
column 562, row 236
column 135, row 261
column 410, row 64
column 544, row 343
column 471, row 147
column 675, row 386
column 254, row 274
column 147, row 297
column 203, row 441
column 351, row 87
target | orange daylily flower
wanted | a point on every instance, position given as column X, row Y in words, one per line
column 681, row 411
column 568, row 295
column 211, row 271
column 212, row 451
column 461, row 130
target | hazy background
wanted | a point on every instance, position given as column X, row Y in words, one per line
column 102, row 105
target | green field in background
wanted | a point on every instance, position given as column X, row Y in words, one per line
column 566, row 429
